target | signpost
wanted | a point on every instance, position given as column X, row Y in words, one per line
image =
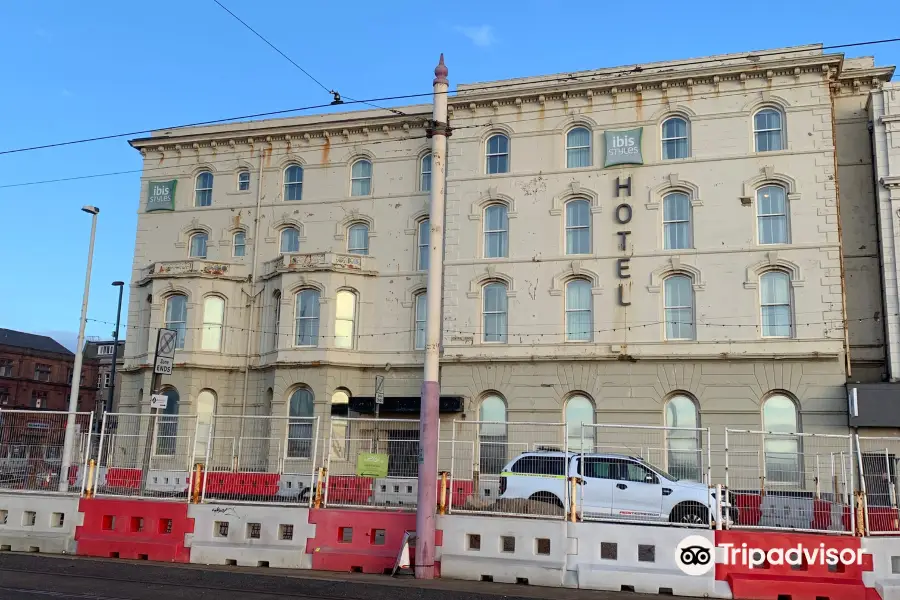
column 163, row 363
column 379, row 393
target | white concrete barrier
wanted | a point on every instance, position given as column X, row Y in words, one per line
column 395, row 491
column 250, row 536
column 885, row 573
column 37, row 523
column 638, row 558
column 786, row 512
column 504, row 550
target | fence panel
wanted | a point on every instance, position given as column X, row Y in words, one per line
column 797, row 481
column 482, row 450
column 877, row 461
column 31, row 449
column 146, row 455
column 259, row 459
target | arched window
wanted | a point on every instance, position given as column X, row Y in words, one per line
column 239, row 244
column 344, row 319
column 683, row 442
column 497, row 153
column 496, row 231
column 307, row 317
column 579, row 412
column 775, row 304
column 290, row 240
column 358, row 239
column 213, row 323
column 678, row 296
column 300, row 427
column 293, row 183
column 773, row 223
column 492, row 438
column 243, row 180
column 167, row 425
column 176, row 316
column 421, row 314
column 782, row 445
column 578, row 148
column 578, row 227
column 423, row 244
column 340, row 410
column 198, row 245
column 676, row 142
column 494, row 311
column 425, row 173
column 676, row 221
column 768, row 130
column 276, row 319
column 361, row 178
column 203, row 187
column 579, row 318
column 206, row 408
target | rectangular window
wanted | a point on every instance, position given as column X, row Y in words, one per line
column 42, row 372
column 421, row 310
column 4, row 396
column 307, row 318
column 345, row 319
column 771, row 206
column 775, row 303
column 679, row 304
column 495, row 307
column 6, row 367
column 38, row 399
column 676, row 221
column 213, row 322
column 424, row 243
column 243, row 181
column 496, row 231
column 104, row 350
column 106, row 379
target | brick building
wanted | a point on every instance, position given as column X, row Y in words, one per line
column 101, row 353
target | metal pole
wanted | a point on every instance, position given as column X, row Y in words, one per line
column 431, row 389
column 115, row 356
column 79, row 359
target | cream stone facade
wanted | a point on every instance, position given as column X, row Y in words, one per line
column 744, row 208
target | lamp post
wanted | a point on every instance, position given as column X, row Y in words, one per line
column 79, row 359
column 115, row 356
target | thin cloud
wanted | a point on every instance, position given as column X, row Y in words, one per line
column 482, row 35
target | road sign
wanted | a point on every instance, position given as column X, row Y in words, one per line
column 163, row 365
column 159, row 401
column 166, row 340
column 379, row 389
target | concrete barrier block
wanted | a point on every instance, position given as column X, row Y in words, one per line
column 885, row 574
column 33, row 523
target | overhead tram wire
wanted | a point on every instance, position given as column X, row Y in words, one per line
column 568, row 78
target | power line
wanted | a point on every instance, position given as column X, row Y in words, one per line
column 566, row 78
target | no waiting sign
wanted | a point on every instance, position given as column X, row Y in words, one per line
column 166, row 340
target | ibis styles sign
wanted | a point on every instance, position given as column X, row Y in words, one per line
column 161, row 195
column 623, row 147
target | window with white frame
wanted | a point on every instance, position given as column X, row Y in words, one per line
column 676, row 221
column 176, row 317
column 578, row 227
column 492, row 435
column 290, row 240
column 239, row 244
column 6, row 367
column 678, row 297
column 358, row 239
column 345, row 319
column 676, row 141
column 361, row 178
column 579, row 412
column 243, row 180
column 198, row 245
column 106, row 378
column 203, row 187
column 578, row 148
column 293, row 183
column 42, row 372
column 496, row 231
column 423, row 244
column 683, row 439
column 775, row 304
column 167, row 425
column 425, row 174
column 782, row 445
column 307, row 318
column 494, row 312
column 768, row 130
column 579, row 318
column 206, row 408
column 300, row 427
column 105, row 350
column 497, row 154
column 213, row 323
column 421, row 314
column 773, row 223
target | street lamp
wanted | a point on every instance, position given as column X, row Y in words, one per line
column 112, row 379
column 79, row 358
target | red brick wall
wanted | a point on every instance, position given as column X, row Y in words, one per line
column 22, row 382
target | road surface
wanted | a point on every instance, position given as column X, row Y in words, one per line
column 37, row 577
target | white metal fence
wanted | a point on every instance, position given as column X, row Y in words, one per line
column 877, row 461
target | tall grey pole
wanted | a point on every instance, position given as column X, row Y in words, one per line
column 112, row 379
column 431, row 388
column 79, row 359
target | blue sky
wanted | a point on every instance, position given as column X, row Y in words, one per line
column 75, row 70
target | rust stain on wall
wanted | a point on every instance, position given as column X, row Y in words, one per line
column 326, row 150
column 639, row 106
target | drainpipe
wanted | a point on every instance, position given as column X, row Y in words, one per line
column 832, row 90
column 259, row 185
column 888, row 368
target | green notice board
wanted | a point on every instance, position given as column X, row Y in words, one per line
column 372, row 465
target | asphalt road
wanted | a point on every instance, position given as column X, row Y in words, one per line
column 33, row 577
